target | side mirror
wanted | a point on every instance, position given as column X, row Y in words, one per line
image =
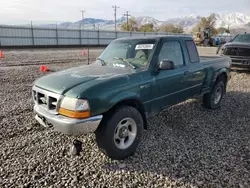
column 166, row 65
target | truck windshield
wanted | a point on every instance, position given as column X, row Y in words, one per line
column 133, row 53
column 242, row 38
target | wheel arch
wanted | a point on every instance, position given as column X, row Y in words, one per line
column 133, row 102
column 224, row 77
column 221, row 74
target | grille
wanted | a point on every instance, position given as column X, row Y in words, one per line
column 235, row 51
column 46, row 99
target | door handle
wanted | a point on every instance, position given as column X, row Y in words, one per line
column 186, row 73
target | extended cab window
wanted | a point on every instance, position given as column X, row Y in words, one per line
column 192, row 51
column 171, row 50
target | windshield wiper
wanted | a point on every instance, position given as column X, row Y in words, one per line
column 120, row 58
column 102, row 61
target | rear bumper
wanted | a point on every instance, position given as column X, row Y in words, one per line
column 67, row 125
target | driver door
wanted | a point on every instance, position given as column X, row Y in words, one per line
column 169, row 85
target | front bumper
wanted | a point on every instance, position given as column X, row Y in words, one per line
column 240, row 61
column 66, row 125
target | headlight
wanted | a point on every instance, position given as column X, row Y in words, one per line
column 74, row 108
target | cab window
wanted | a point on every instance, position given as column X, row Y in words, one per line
column 171, row 50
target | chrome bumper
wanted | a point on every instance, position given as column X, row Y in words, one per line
column 66, row 125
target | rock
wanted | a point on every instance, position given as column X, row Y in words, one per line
column 122, row 165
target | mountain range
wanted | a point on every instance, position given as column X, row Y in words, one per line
column 236, row 21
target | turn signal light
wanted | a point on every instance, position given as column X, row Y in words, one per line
column 74, row 114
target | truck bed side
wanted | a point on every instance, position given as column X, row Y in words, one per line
column 213, row 67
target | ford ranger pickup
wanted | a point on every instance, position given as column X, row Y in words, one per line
column 133, row 79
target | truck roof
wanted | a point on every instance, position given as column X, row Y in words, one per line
column 157, row 37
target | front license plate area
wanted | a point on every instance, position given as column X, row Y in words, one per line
column 41, row 120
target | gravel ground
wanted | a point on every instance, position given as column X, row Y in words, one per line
column 185, row 146
column 46, row 56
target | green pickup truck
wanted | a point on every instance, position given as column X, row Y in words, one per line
column 133, row 79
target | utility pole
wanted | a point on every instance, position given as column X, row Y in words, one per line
column 115, row 9
column 127, row 15
column 82, row 17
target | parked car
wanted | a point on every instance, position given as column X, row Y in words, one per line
column 238, row 49
column 132, row 80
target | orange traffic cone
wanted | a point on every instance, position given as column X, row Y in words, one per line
column 84, row 52
column 43, row 68
column 1, row 54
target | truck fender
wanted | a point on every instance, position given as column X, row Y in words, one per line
column 221, row 72
column 122, row 97
column 132, row 99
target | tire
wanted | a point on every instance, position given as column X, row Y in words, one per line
column 206, row 42
column 213, row 99
column 213, row 42
column 126, row 125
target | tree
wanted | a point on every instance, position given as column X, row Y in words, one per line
column 131, row 26
column 178, row 29
column 147, row 28
column 206, row 23
column 222, row 30
column 171, row 28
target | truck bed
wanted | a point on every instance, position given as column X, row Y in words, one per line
column 213, row 59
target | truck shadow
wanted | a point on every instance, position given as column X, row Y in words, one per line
column 194, row 145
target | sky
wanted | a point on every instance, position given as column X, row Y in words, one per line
column 50, row 11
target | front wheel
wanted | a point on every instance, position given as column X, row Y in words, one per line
column 119, row 133
column 213, row 99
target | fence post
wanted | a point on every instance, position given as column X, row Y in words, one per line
column 32, row 35
column 88, row 54
column 88, row 37
column 115, row 34
column 0, row 38
column 56, row 35
column 98, row 36
column 80, row 36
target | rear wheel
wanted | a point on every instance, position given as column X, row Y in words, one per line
column 213, row 99
column 119, row 133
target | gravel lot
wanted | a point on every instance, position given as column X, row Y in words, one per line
column 185, row 146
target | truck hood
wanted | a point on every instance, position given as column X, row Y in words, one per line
column 237, row 44
column 62, row 81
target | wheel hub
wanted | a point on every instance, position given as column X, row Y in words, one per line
column 217, row 95
column 123, row 132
